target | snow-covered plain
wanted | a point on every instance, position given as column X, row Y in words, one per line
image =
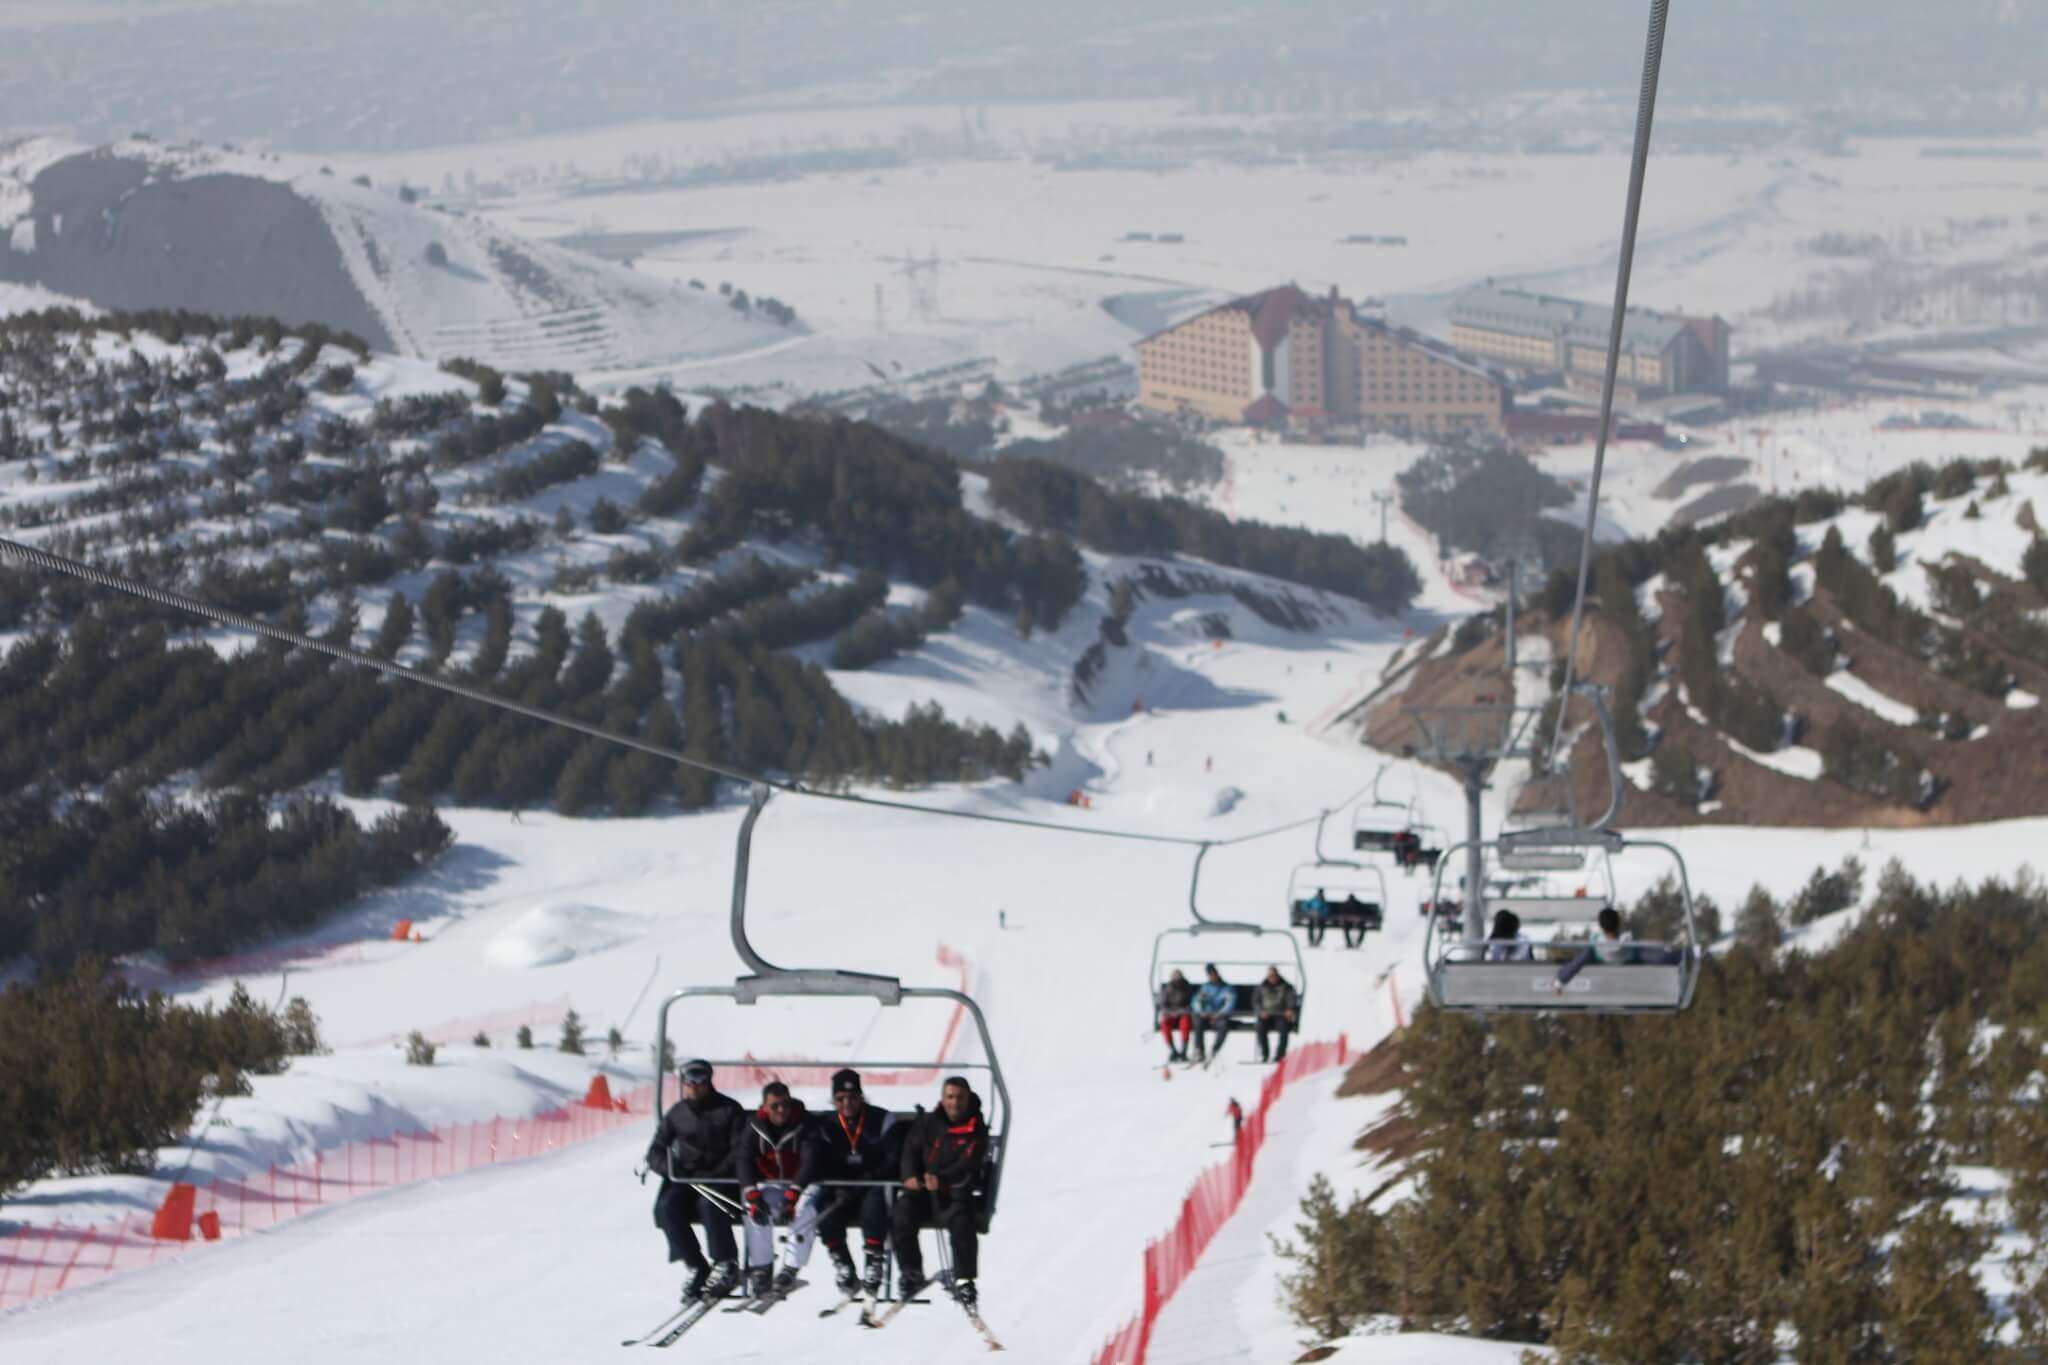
column 1030, row 249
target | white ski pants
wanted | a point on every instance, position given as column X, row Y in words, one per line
column 801, row 1234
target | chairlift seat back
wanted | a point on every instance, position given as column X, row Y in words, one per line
column 1550, row 909
column 1531, row 987
column 1542, row 860
column 1367, row 914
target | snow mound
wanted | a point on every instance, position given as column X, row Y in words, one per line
column 550, row 934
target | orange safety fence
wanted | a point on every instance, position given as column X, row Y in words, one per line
column 36, row 1262
column 1208, row 1206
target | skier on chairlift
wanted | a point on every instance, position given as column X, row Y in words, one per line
column 860, row 1142
column 776, row 1160
column 1278, row 1008
column 945, row 1160
column 695, row 1142
column 1213, row 1004
column 1176, row 1010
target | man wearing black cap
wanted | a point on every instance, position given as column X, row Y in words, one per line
column 861, row 1142
column 695, row 1142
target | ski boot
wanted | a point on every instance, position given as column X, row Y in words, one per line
column 757, row 1281
column 911, row 1283
column 784, row 1281
column 871, row 1271
column 843, row 1277
column 724, row 1276
column 693, row 1288
column 963, row 1290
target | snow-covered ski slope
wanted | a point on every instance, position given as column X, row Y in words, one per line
column 441, row 284
column 556, row 1259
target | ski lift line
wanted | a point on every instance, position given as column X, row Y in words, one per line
column 1639, row 159
column 164, row 597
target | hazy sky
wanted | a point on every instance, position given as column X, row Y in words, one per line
column 378, row 74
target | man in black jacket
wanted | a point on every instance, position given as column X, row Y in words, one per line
column 861, row 1141
column 776, row 1160
column 945, row 1158
column 696, row 1139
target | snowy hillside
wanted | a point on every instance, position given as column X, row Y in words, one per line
column 435, row 284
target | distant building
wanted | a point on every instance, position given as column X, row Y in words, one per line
column 1660, row 352
column 1411, row 384
column 1288, row 358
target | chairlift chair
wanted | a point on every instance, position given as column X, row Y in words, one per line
column 1337, row 882
column 1180, row 946
column 772, row 982
column 1653, row 978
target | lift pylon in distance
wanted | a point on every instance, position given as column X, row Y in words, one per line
column 769, row 981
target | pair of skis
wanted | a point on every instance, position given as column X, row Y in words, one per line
column 944, row 1279
column 671, row 1328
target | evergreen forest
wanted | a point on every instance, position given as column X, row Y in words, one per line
column 1793, row 1169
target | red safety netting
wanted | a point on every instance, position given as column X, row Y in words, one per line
column 36, row 1262
column 1215, row 1196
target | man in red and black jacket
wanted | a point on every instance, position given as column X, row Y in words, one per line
column 945, row 1159
column 776, row 1159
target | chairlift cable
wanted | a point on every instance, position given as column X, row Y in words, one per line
column 1646, row 107
column 164, row 597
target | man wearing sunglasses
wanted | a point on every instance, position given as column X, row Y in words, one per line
column 776, row 1160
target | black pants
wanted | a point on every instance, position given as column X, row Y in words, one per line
column 952, row 1210
column 871, row 1204
column 1269, row 1022
column 1205, row 1026
column 678, row 1206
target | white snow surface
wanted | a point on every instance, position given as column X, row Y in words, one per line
column 495, row 296
column 1870, row 699
column 571, row 1258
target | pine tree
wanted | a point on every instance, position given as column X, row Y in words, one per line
column 302, row 1030
column 1757, row 923
column 572, row 1034
column 582, row 783
column 418, row 1051
column 524, row 1038
column 482, row 1039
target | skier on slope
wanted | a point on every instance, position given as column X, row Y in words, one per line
column 945, row 1159
column 776, row 1159
column 695, row 1141
column 859, row 1141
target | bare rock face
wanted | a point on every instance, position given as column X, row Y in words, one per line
column 111, row 230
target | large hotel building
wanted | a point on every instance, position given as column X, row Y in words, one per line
column 1660, row 352
column 1292, row 358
